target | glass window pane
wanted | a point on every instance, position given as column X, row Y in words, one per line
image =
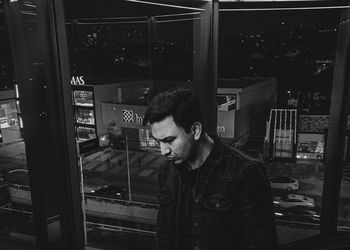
column 111, row 49
column 16, row 218
column 119, row 63
column 275, row 72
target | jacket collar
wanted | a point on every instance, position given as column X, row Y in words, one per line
column 215, row 157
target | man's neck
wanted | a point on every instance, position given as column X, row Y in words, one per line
column 201, row 152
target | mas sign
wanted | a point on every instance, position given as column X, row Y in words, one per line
column 77, row 80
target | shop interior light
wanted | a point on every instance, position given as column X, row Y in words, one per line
column 16, row 91
column 166, row 5
column 20, row 122
column 319, row 7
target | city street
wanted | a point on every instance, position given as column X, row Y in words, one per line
column 109, row 166
column 310, row 176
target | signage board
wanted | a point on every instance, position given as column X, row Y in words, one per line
column 87, row 146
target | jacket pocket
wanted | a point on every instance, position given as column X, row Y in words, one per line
column 165, row 199
column 217, row 202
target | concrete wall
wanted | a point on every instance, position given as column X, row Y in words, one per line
column 121, row 209
column 11, row 134
column 128, row 93
column 226, row 124
column 7, row 94
column 315, row 123
column 254, row 103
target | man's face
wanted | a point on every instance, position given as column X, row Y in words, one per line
column 175, row 143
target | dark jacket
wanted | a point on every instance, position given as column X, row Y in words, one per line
column 231, row 205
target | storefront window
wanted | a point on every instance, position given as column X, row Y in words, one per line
column 310, row 146
column 83, row 98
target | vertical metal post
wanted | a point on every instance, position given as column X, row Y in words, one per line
column 285, row 123
column 151, row 39
column 40, row 56
column 274, row 127
column 336, row 132
column 205, row 40
column 83, row 197
column 268, row 127
column 295, row 126
column 128, row 166
column 290, row 126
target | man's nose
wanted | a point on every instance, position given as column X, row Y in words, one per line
column 164, row 149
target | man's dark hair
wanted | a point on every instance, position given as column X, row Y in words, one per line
column 182, row 104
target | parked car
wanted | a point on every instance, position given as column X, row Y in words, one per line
column 302, row 213
column 284, row 182
column 90, row 189
column 278, row 211
column 297, row 213
column 292, row 200
column 111, row 191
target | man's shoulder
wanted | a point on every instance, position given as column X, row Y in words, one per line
column 237, row 162
column 239, row 155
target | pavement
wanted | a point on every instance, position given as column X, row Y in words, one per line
column 110, row 167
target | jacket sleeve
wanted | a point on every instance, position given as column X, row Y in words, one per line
column 256, row 208
column 165, row 217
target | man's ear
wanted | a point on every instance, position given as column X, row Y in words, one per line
column 196, row 129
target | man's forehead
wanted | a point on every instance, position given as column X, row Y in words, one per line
column 164, row 128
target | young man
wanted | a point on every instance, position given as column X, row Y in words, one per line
column 211, row 195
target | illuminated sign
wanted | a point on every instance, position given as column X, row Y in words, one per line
column 221, row 129
column 129, row 116
column 77, row 80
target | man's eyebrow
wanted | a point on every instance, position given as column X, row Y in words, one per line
column 166, row 139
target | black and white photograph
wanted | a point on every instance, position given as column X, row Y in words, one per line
column 174, row 124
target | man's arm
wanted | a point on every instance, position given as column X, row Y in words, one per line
column 256, row 208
